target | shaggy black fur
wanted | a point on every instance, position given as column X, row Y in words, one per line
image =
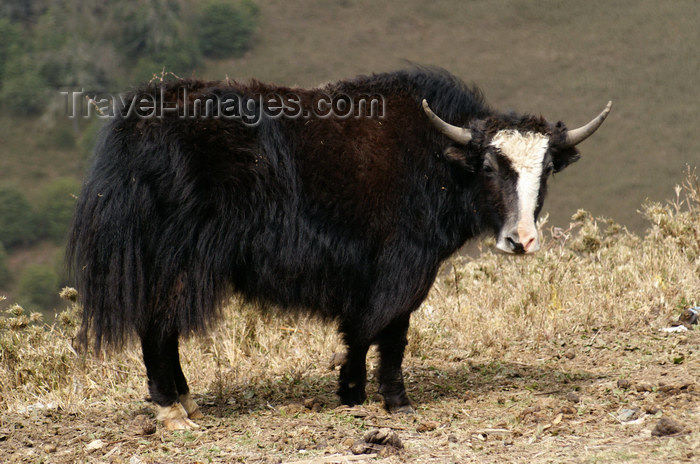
column 348, row 219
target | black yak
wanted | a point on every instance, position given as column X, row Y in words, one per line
column 287, row 196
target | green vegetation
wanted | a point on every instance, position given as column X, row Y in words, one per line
column 18, row 225
column 49, row 46
column 55, row 209
column 226, row 29
column 38, row 287
column 53, row 45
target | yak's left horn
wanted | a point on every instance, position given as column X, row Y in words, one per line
column 458, row 134
column 578, row 135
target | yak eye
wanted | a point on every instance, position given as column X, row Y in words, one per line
column 488, row 169
column 548, row 170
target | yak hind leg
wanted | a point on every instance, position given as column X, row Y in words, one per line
column 166, row 380
column 391, row 343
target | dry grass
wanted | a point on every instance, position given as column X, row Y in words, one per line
column 497, row 337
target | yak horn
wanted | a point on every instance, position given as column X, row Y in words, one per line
column 576, row 136
column 458, row 134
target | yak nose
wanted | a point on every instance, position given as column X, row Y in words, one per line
column 519, row 242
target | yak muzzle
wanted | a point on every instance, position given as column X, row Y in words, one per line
column 519, row 241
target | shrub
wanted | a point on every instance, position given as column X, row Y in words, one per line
column 38, row 286
column 152, row 36
column 24, row 89
column 33, row 356
column 17, row 224
column 9, row 45
column 226, row 28
column 61, row 137
column 56, row 206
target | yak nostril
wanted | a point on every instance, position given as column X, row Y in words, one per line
column 529, row 243
column 515, row 245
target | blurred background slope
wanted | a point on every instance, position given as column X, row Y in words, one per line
column 562, row 59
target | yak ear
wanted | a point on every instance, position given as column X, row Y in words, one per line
column 461, row 158
column 562, row 157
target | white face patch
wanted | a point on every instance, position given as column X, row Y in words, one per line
column 525, row 151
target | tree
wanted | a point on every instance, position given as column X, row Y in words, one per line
column 226, row 28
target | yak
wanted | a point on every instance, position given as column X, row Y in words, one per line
column 199, row 189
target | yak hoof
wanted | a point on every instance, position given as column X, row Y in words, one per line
column 175, row 417
column 196, row 414
column 401, row 409
column 191, row 407
column 180, row 424
column 406, row 409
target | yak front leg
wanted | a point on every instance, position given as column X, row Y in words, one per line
column 391, row 343
column 183, row 390
column 353, row 372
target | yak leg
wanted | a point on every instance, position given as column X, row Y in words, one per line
column 391, row 343
column 353, row 373
column 160, row 355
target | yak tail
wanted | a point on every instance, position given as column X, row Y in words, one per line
column 142, row 267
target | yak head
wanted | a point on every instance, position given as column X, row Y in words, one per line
column 512, row 157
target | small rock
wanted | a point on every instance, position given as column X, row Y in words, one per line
column 143, row 425
column 643, row 387
column 361, row 447
column 354, row 411
column 624, row 384
column 50, row 448
column 383, row 436
column 568, row 410
column 533, row 410
column 665, row 427
column 94, row 445
column 313, row 404
column 452, row 438
column 573, row 397
column 387, row 451
column 627, row 415
column 378, row 440
column 427, row 426
column 293, row 408
column 570, row 354
column 651, row 409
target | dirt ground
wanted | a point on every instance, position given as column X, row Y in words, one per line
column 604, row 397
